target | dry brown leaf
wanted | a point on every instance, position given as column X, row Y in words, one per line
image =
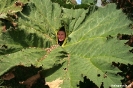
column 8, row 76
column 30, row 81
column 55, row 84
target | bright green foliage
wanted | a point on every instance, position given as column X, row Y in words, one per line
column 32, row 36
column 91, row 45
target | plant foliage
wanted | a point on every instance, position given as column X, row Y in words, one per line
column 91, row 44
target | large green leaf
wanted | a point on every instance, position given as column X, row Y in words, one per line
column 93, row 47
column 91, row 43
column 36, row 31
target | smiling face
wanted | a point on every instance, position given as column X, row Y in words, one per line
column 61, row 35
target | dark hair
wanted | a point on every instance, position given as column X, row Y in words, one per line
column 62, row 29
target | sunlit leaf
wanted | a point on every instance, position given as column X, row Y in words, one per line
column 91, row 44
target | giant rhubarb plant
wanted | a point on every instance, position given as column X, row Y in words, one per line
column 89, row 49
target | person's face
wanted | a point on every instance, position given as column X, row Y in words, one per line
column 61, row 35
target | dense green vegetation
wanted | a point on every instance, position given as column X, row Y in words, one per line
column 97, row 51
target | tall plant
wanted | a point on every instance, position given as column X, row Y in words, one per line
column 90, row 48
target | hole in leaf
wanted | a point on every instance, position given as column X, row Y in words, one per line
column 105, row 75
column 65, row 69
column 109, row 37
column 98, row 75
column 4, row 46
column 123, row 36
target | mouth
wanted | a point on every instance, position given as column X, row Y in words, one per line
column 61, row 39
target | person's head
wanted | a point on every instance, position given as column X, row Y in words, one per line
column 61, row 34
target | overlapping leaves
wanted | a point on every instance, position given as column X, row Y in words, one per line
column 94, row 46
column 91, row 43
column 10, row 7
column 35, row 32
